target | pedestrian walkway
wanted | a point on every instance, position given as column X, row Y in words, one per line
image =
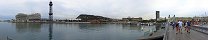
column 193, row 35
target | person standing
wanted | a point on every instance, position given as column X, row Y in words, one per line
column 188, row 23
column 180, row 24
column 177, row 27
column 172, row 24
column 184, row 25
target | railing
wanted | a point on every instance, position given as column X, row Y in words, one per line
column 166, row 32
column 200, row 29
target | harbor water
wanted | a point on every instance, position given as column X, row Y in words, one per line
column 85, row 31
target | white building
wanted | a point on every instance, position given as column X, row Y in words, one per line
column 21, row 17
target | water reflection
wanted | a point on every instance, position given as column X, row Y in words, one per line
column 28, row 27
column 54, row 31
column 131, row 27
column 91, row 27
column 32, row 30
column 50, row 31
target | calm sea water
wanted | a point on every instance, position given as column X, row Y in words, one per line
column 43, row 31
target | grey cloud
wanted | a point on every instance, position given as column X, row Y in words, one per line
column 108, row 8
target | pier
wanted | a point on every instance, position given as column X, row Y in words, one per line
column 196, row 33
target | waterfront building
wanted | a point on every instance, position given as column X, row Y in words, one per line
column 169, row 16
column 157, row 15
column 203, row 19
column 34, row 17
column 68, row 20
column 132, row 19
column 183, row 18
column 21, row 17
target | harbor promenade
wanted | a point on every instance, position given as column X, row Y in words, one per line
column 193, row 35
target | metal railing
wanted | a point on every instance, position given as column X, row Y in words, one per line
column 166, row 32
column 200, row 29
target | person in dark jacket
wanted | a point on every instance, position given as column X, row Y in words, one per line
column 188, row 25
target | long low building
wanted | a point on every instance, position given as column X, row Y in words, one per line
column 132, row 19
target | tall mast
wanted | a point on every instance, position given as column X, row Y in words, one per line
column 50, row 11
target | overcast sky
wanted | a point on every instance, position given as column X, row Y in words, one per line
column 70, row 9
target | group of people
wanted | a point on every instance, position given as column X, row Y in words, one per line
column 180, row 25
